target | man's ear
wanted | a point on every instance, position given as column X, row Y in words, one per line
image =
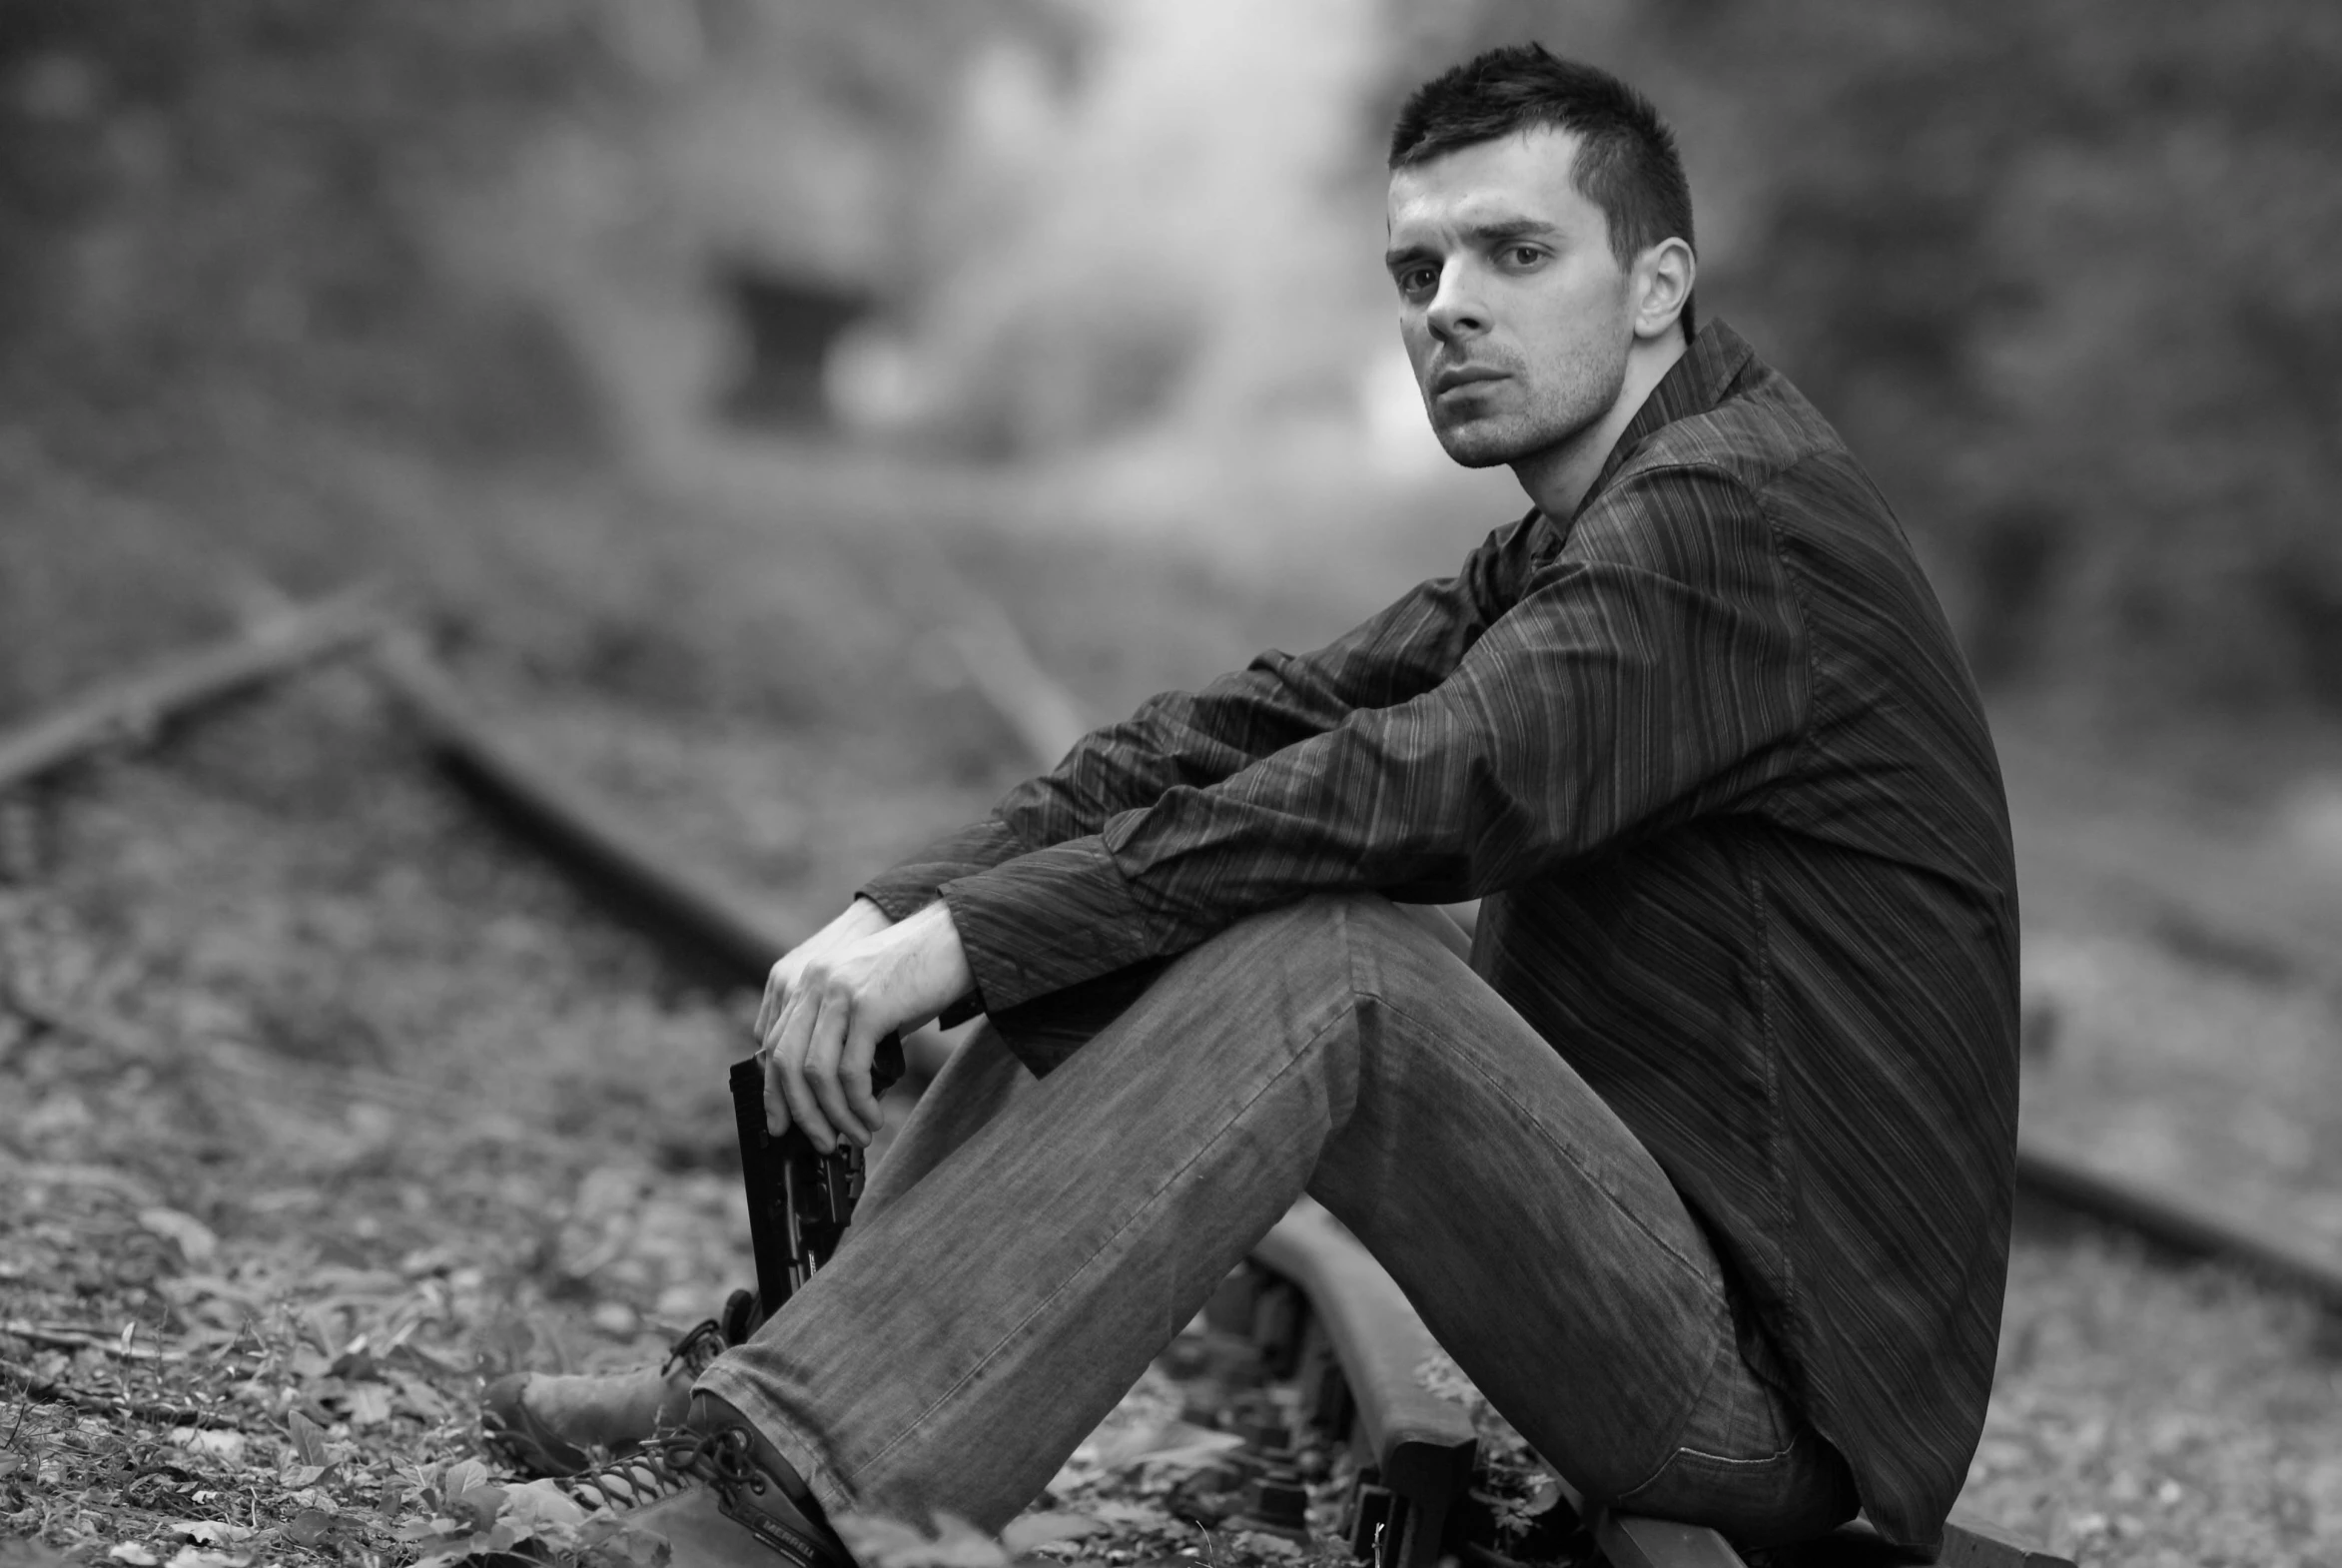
column 1664, row 275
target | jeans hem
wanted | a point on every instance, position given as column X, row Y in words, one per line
column 783, row 1433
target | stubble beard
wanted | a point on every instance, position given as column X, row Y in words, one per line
column 1557, row 412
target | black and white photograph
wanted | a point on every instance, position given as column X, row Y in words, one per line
column 1170, row 783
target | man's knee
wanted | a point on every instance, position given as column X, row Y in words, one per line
column 1330, row 921
column 1356, row 939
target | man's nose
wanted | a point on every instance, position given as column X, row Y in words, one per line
column 1457, row 311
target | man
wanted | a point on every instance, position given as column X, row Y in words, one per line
column 1699, row 1166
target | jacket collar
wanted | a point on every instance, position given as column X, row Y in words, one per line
column 1694, row 383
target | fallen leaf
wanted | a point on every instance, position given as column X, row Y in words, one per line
column 1027, row 1531
column 196, row 1240
column 419, row 1398
column 876, row 1542
column 1191, row 1458
column 215, row 1442
column 134, row 1554
column 370, row 1404
column 480, row 1505
column 1259, row 1543
column 308, row 1527
column 424, row 1358
column 607, row 1542
column 479, row 1547
column 541, row 1503
column 1179, row 1445
column 308, row 1441
column 462, row 1476
column 424, row 1530
column 210, row 1532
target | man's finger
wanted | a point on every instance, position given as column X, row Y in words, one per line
column 822, row 1054
column 854, row 1069
column 768, row 1011
column 776, row 1102
column 784, row 1048
column 799, row 1018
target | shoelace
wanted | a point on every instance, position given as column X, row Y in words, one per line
column 697, row 1349
column 666, row 1464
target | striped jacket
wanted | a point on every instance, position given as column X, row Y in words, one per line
column 1707, row 751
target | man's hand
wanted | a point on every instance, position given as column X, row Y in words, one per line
column 861, row 919
column 829, row 1002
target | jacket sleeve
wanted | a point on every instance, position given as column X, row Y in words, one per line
column 1655, row 669
column 1200, row 738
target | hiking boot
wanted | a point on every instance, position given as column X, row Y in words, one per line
column 718, row 1493
column 543, row 1423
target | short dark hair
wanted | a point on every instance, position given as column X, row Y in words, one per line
column 1627, row 162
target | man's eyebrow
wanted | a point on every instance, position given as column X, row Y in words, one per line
column 1494, row 232
column 1514, row 229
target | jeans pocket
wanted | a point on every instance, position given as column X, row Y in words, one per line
column 1793, row 1494
column 1690, row 1471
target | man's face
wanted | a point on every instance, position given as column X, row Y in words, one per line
column 1517, row 316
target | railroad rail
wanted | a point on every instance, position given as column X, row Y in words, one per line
column 1318, row 1302
column 137, row 704
column 1356, row 1349
column 715, row 927
column 710, row 923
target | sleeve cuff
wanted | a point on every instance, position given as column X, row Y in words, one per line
column 912, row 884
column 1047, row 920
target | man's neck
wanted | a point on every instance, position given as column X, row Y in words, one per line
column 1558, row 478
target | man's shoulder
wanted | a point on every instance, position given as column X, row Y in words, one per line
column 1761, row 429
column 1763, row 445
column 1752, row 463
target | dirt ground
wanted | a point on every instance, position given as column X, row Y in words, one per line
column 323, row 1099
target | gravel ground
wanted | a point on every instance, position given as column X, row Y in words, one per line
column 332, row 1096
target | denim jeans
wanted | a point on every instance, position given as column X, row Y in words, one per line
column 1028, row 1244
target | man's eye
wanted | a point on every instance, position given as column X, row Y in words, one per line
column 1417, row 280
column 1523, row 254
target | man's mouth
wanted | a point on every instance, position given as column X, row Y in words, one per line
column 1466, row 377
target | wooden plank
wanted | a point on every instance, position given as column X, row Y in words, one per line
column 1970, row 1542
column 1633, row 1541
column 139, row 704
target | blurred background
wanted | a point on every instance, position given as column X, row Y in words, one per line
column 746, row 393
column 690, row 366
column 484, row 296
